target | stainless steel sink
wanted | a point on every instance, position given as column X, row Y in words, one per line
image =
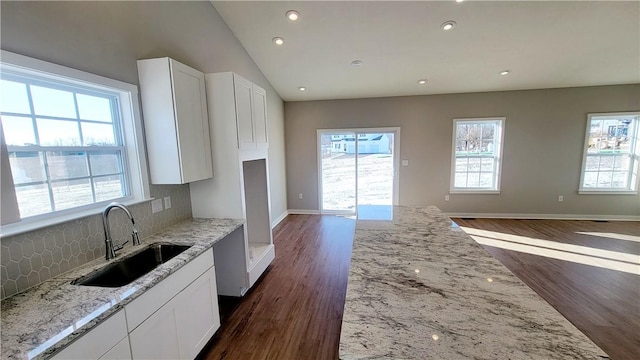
column 126, row 270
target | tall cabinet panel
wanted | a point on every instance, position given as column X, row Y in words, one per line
column 240, row 187
column 175, row 120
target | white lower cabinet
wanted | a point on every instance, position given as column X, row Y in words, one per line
column 100, row 341
column 121, row 351
column 183, row 326
column 173, row 320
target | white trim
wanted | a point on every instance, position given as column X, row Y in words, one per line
column 545, row 216
column 24, row 227
column 279, row 219
column 303, row 212
column 395, row 195
column 632, row 188
column 134, row 154
column 497, row 158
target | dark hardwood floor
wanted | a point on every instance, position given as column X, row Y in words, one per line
column 604, row 304
column 295, row 310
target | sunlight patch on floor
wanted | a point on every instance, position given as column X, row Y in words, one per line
column 612, row 260
column 611, row 235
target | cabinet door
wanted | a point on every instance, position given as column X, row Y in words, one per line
column 244, row 116
column 157, row 337
column 99, row 341
column 196, row 327
column 121, row 351
column 259, row 102
column 192, row 122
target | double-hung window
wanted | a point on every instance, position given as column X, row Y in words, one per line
column 611, row 153
column 477, row 155
column 71, row 139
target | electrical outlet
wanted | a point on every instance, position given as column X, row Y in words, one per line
column 156, row 206
column 446, row 198
column 167, row 202
column 300, row 196
column 405, row 162
column 560, row 198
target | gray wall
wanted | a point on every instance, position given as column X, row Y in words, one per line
column 543, row 146
column 106, row 38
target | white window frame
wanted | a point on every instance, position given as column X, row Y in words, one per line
column 131, row 125
column 497, row 158
column 634, row 164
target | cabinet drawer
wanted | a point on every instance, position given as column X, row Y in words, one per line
column 153, row 299
column 98, row 341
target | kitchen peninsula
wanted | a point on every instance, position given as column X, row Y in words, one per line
column 420, row 288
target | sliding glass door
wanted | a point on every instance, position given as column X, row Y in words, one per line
column 357, row 167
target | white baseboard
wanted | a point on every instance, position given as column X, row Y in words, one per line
column 279, row 219
column 545, row 216
column 304, row 212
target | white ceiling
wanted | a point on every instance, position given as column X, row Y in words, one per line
column 545, row 44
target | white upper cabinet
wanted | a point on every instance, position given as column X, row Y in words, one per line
column 251, row 114
column 176, row 121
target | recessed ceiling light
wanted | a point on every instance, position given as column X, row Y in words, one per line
column 278, row 41
column 459, row 0
column 448, row 25
column 302, row 88
column 293, row 15
column 356, row 63
column 505, row 72
column 422, row 81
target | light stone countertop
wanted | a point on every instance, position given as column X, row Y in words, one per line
column 421, row 288
column 42, row 320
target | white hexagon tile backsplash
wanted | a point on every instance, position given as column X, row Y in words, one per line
column 31, row 258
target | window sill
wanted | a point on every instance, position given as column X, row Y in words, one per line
column 27, row 226
column 607, row 192
column 474, row 192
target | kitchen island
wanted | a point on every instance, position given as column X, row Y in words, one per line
column 420, row 288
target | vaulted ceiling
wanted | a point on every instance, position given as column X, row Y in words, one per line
column 544, row 44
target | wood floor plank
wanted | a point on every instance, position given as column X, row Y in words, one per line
column 604, row 304
column 295, row 310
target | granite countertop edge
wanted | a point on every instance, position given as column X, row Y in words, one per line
column 41, row 321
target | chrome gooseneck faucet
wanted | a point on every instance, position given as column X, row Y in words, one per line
column 111, row 248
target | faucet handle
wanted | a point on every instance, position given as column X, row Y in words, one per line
column 135, row 238
column 119, row 247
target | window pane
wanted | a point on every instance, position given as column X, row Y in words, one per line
column 26, row 167
column 488, row 131
column 486, row 180
column 487, row 147
column 102, row 164
column 108, row 187
column 475, row 132
column 621, row 163
column 619, row 180
column 65, row 165
column 461, row 132
column 73, row 193
column 94, row 108
column 52, row 102
column 97, row 134
column 460, row 180
column 606, row 163
column 590, row 179
column 18, row 131
column 473, row 180
column 462, row 164
column 604, row 179
column 13, row 97
column 33, row 200
column 474, row 164
column 58, row 133
column 592, row 163
column 487, row 165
